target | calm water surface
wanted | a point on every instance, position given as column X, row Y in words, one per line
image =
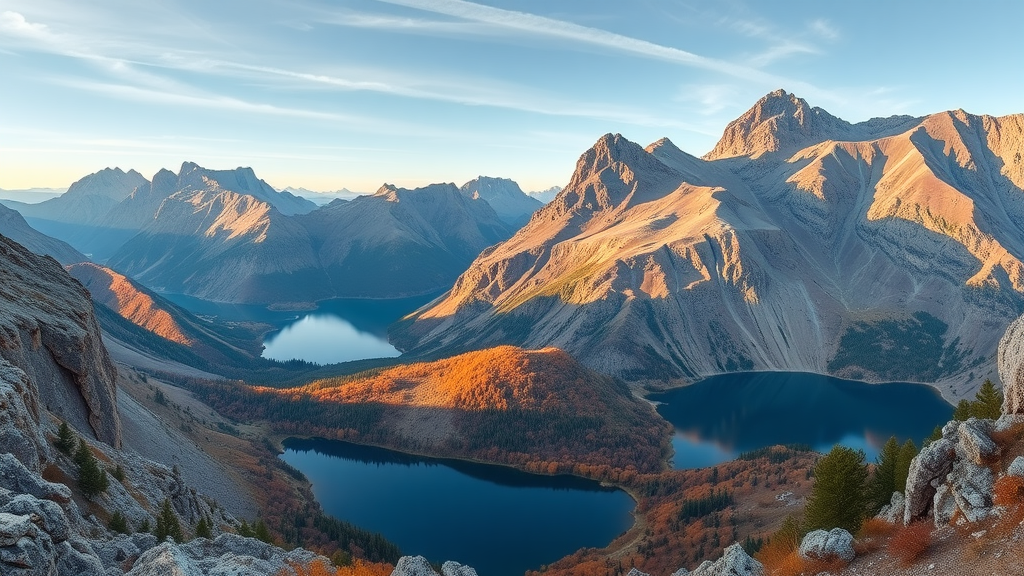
column 498, row 520
column 720, row 417
column 338, row 330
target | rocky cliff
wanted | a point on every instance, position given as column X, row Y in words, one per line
column 48, row 331
column 14, row 226
column 508, row 200
column 886, row 250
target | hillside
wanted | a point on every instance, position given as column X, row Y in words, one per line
column 14, row 226
column 539, row 410
column 885, row 250
column 508, row 200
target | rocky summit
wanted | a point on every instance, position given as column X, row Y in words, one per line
column 885, row 250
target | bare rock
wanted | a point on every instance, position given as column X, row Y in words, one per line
column 934, row 463
column 14, row 527
column 975, row 441
column 734, row 562
column 635, row 572
column 681, row 572
column 20, row 433
column 71, row 560
column 51, row 517
column 413, row 566
column 971, row 486
column 228, row 554
column 1011, row 367
column 1016, row 467
column 1008, row 421
column 893, row 511
column 944, row 505
column 822, row 545
column 450, row 568
column 15, row 477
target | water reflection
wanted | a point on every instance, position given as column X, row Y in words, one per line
column 326, row 339
column 720, row 417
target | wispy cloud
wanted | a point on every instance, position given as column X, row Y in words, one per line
column 824, row 28
column 543, row 26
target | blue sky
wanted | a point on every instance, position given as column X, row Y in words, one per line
column 354, row 93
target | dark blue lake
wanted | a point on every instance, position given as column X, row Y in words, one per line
column 498, row 520
column 718, row 418
column 338, row 330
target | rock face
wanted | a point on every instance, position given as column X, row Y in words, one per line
column 451, row 568
column 508, row 200
column 822, row 545
column 893, row 511
column 734, row 562
column 1011, row 367
column 927, row 470
column 413, row 566
column 226, row 554
column 48, row 331
column 802, row 243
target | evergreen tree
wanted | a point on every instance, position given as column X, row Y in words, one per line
column 838, row 498
column 988, row 402
column 91, row 478
column 245, row 530
column 118, row 523
column 261, row 532
column 203, row 529
column 883, row 483
column 907, row 453
column 65, row 441
column 167, row 524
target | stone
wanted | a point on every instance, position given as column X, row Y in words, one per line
column 971, row 486
column 1016, row 467
column 734, row 562
column 450, row 568
column 975, row 441
column 681, row 572
column 1010, row 359
column 413, row 566
column 933, row 463
column 1008, row 421
column 14, row 527
column 893, row 511
column 944, row 506
column 20, row 432
column 951, row 430
column 117, row 550
column 228, row 554
column 822, row 545
column 53, row 520
column 632, row 572
column 15, row 477
column 78, row 562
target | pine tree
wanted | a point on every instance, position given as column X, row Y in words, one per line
column 91, row 478
column 883, row 483
column 988, row 402
column 907, row 453
column 261, row 532
column 245, row 530
column 203, row 529
column 65, row 441
column 838, row 498
column 118, row 523
column 167, row 524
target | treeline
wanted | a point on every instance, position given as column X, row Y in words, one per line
column 700, row 507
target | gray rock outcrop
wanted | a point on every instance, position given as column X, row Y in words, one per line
column 734, row 562
column 635, row 572
column 226, row 554
column 1011, row 367
column 927, row 470
column 20, row 433
column 975, row 442
column 413, row 566
column 450, row 568
column 971, row 487
column 1016, row 467
column 893, row 511
column 48, row 330
column 822, row 545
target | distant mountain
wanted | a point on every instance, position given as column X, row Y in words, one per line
column 545, row 196
column 323, row 198
column 31, row 195
column 401, row 242
column 507, row 199
column 885, row 250
column 14, row 226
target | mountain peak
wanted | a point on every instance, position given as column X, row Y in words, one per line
column 779, row 121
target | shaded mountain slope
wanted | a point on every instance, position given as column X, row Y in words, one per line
column 790, row 248
column 14, row 226
column 508, row 200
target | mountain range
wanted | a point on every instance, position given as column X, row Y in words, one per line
column 884, row 250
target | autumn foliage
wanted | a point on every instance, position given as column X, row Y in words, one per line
column 910, row 542
column 317, row 568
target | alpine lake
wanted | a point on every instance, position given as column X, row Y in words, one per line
column 502, row 521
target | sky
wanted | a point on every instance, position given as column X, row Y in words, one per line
column 356, row 93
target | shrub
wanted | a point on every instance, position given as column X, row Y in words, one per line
column 910, row 542
column 872, row 532
column 779, row 555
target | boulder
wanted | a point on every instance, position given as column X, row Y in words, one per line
column 933, row 463
column 975, row 442
column 1007, row 421
column 78, row 562
column 1016, row 467
column 822, row 545
column 971, row 486
column 51, row 516
column 15, row 477
column 413, row 566
column 944, row 505
column 681, row 572
column 734, row 562
column 14, row 527
column 226, row 554
column 893, row 511
column 1011, row 367
column 450, row 568
column 635, row 572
